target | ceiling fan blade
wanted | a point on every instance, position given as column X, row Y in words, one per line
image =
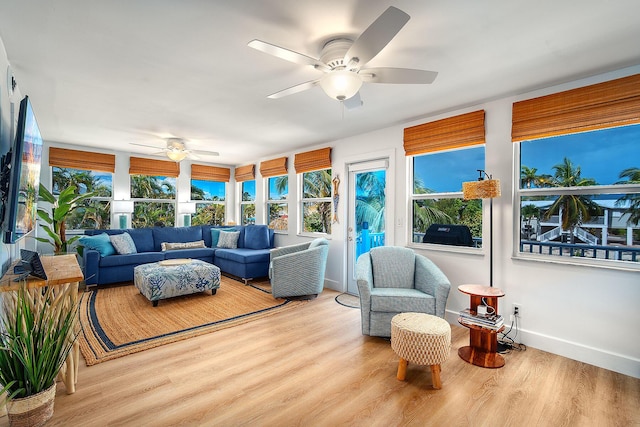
column 397, row 75
column 148, row 146
column 354, row 102
column 294, row 89
column 376, row 37
column 287, row 55
column 205, row 153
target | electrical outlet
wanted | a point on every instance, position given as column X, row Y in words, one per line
column 517, row 310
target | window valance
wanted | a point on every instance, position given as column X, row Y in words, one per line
column 313, row 160
column 599, row 106
column 453, row 132
column 210, row 173
column 273, row 167
column 85, row 160
column 152, row 167
column 245, row 173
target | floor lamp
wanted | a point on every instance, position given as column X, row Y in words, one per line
column 488, row 188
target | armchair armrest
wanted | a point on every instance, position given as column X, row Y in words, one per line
column 277, row 252
column 431, row 280
column 91, row 259
column 364, row 277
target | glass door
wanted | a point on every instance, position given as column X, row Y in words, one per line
column 367, row 219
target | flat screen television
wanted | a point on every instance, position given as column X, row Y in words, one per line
column 20, row 179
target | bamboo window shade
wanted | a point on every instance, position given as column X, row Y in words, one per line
column 210, row 173
column 273, row 167
column 599, row 106
column 142, row 166
column 313, row 160
column 460, row 131
column 245, row 173
column 86, row 160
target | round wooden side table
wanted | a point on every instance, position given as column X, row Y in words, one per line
column 483, row 342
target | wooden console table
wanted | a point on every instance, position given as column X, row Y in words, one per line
column 483, row 342
column 64, row 275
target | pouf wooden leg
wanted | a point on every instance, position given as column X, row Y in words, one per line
column 402, row 369
column 435, row 377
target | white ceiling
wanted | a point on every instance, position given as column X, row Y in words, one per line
column 110, row 73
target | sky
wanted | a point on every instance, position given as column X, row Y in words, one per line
column 210, row 188
column 444, row 172
column 601, row 155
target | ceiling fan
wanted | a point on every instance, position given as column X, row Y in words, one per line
column 344, row 61
column 176, row 149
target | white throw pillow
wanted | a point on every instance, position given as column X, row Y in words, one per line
column 123, row 243
column 228, row 239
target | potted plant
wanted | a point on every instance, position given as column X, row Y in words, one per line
column 38, row 332
column 61, row 207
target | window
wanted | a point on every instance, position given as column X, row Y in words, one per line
column 210, row 202
column 153, row 188
column 579, row 189
column 316, row 201
column 277, row 205
column 580, row 195
column 95, row 212
column 436, row 197
column 248, row 203
column 444, row 154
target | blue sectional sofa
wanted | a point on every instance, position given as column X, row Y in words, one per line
column 249, row 260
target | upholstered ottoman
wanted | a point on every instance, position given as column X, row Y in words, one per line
column 422, row 339
column 175, row 277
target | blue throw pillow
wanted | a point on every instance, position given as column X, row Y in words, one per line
column 256, row 237
column 215, row 235
column 99, row 242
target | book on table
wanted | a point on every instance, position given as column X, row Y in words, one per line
column 490, row 321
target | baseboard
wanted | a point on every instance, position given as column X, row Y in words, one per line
column 333, row 284
column 594, row 356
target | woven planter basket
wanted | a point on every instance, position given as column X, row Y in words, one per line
column 32, row 411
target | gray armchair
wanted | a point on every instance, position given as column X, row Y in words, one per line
column 394, row 280
column 298, row 270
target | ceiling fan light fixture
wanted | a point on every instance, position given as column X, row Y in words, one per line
column 341, row 84
column 176, row 155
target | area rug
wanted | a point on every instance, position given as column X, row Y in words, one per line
column 348, row 300
column 118, row 320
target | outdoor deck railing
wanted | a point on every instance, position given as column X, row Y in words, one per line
column 617, row 253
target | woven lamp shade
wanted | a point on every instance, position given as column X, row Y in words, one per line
column 485, row 189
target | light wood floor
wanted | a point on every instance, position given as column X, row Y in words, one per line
column 312, row 367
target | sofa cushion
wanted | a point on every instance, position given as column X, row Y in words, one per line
column 131, row 259
column 99, row 242
column 256, row 237
column 123, row 243
column 228, row 239
column 244, row 256
column 143, row 238
column 168, row 246
column 175, row 235
column 404, row 300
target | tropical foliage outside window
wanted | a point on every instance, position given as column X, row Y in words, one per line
column 316, row 201
column 580, row 195
column 154, row 200
column 210, row 199
column 437, row 191
column 277, row 205
column 95, row 213
column 248, row 203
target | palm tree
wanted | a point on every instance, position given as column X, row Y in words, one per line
column 370, row 202
column 633, row 177
column 528, row 177
column 426, row 212
column 573, row 209
column 316, row 185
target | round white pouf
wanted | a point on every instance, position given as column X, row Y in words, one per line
column 422, row 339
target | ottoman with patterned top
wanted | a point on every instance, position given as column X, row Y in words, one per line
column 175, row 277
column 422, row 339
